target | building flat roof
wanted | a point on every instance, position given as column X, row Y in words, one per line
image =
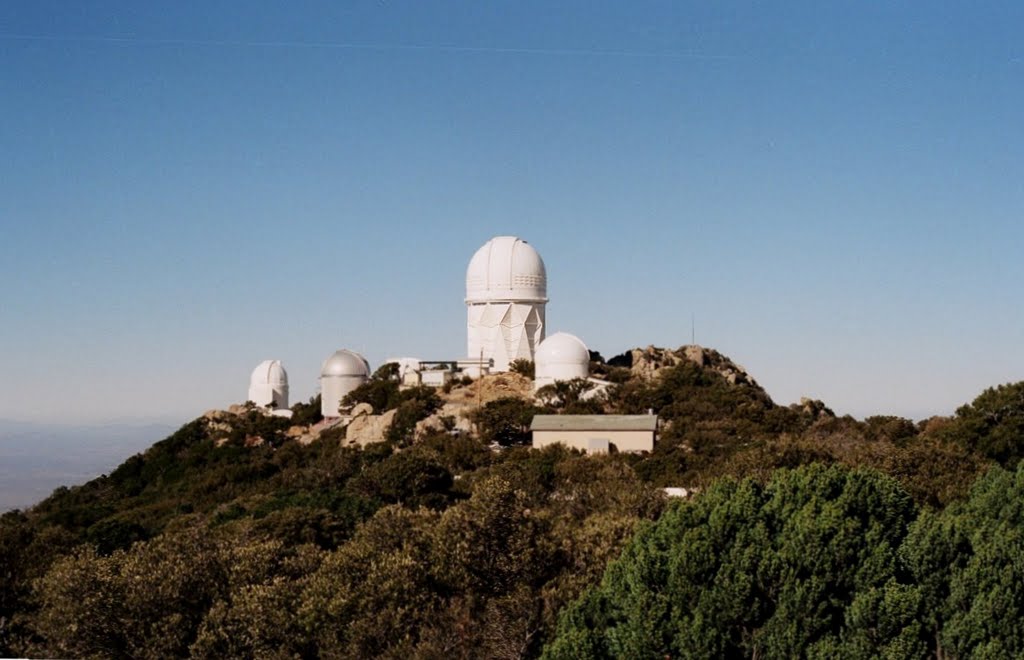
column 594, row 423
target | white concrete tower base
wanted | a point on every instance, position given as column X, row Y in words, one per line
column 504, row 331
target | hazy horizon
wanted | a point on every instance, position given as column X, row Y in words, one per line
column 37, row 458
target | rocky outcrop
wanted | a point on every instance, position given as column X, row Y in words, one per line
column 490, row 388
column 436, row 422
column 367, row 429
column 313, row 433
column 254, row 441
column 648, row 362
column 813, row 408
column 219, row 425
column 361, row 409
column 461, row 400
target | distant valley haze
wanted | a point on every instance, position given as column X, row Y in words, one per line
column 36, row 458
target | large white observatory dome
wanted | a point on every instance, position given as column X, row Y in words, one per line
column 506, row 268
column 561, row 357
column 341, row 373
column 506, row 295
column 268, row 385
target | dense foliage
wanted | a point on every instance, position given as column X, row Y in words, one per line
column 505, row 421
column 993, row 424
column 819, row 562
column 232, row 539
column 753, row 571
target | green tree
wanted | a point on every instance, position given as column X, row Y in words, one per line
column 410, row 477
column 488, row 544
column 505, row 421
column 992, row 425
column 386, row 372
column 413, row 405
column 969, row 561
column 381, row 394
column 146, row 602
column 568, row 396
column 752, row 571
column 305, row 414
column 256, row 615
column 887, row 428
column 375, row 595
column 523, row 367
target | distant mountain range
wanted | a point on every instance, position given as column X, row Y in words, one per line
column 36, row 458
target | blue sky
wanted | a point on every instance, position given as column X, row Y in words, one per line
column 834, row 192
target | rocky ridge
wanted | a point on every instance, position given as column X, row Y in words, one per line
column 364, row 426
column 648, row 362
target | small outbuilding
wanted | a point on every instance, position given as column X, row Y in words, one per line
column 596, row 434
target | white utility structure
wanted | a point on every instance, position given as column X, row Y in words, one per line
column 343, row 372
column 506, row 295
column 268, row 385
column 560, row 357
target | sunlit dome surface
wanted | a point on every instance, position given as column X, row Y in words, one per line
column 506, row 268
column 561, row 357
column 563, row 348
column 269, row 372
column 345, row 363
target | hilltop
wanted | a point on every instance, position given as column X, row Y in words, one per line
column 428, row 528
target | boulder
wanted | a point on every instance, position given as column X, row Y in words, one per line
column 694, row 354
column 307, row 439
column 813, row 408
column 218, row 425
column 361, row 409
column 367, row 429
column 435, row 422
column 254, row 441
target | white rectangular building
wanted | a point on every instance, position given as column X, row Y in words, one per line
column 596, row 434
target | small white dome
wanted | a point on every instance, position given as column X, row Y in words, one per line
column 269, row 372
column 345, row 363
column 561, row 357
column 268, row 385
column 506, row 268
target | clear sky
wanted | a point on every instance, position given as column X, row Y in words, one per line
column 833, row 191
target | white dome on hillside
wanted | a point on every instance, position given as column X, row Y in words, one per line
column 561, row 357
column 345, row 363
column 269, row 372
column 506, row 295
column 506, row 268
column 268, row 385
column 341, row 373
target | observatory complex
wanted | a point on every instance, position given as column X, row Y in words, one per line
column 506, row 316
